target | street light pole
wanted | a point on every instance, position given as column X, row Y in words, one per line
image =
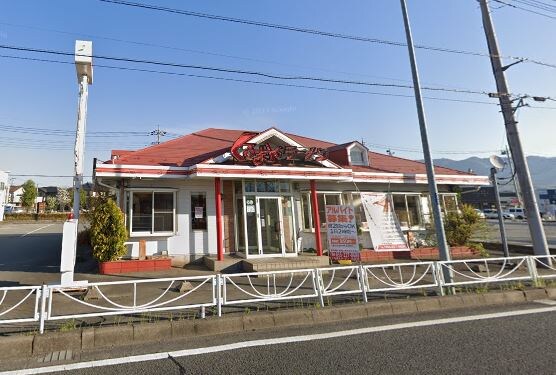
column 540, row 246
column 501, row 223
column 84, row 68
column 444, row 251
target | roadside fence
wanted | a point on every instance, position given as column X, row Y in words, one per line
column 45, row 303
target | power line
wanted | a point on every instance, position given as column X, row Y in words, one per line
column 253, row 81
column 261, row 83
column 245, row 72
column 516, row 7
column 311, row 31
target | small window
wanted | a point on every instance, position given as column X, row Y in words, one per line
column 199, row 211
column 356, row 156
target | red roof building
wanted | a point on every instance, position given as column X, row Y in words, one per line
column 257, row 194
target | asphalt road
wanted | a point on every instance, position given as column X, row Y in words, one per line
column 33, row 247
column 521, row 344
column 518, row 232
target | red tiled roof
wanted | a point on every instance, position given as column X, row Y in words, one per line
column 197, row 147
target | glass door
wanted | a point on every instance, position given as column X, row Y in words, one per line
column 270, row 226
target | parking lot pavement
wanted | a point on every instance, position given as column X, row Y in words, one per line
column 517, row 232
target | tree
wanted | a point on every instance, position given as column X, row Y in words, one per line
column 29, row 196
column 63, row 198
column 83, row 198
column 51, row 203
column 108, row 232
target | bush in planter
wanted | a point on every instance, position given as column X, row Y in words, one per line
column 107, row 231
column 462, row 226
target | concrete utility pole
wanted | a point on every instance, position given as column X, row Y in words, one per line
column 538, row 236
column 444, row 251
column 84, row 67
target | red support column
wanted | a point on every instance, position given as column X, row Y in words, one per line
column 316, row 218
column 219, row 236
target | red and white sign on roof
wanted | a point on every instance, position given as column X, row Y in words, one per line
column 246, row 149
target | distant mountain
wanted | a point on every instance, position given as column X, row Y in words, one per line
column 543, row 169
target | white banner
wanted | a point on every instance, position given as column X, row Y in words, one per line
column 343, row 243
column 384, row 227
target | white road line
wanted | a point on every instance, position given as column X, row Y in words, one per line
column 36, row 230
column 546, row 302
column 275, row 341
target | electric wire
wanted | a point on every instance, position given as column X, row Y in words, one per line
column 516, row 7
column 312, row 31
column 244, row 72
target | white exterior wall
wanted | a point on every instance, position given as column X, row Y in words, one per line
column 187, row 244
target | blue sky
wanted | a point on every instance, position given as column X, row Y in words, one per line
column 44, row 95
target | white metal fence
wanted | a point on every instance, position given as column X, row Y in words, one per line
column 54, row 302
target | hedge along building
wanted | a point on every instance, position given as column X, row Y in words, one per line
column 260, row 194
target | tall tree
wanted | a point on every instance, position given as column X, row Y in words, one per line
column 63, row 198
column 29, row 195
column 51, row 203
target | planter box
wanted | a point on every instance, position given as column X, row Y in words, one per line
column 420, row 253
column 134, row 265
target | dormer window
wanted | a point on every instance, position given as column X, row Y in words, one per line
column 356, row 157
column 358, row 154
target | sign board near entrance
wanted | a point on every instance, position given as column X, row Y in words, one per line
column 343, row 243
column 384, row 227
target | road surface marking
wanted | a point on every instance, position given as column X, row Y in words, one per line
column 546, row 302
column 36, row 230
column 275, row 341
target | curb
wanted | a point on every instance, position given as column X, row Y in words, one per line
column 25, row 346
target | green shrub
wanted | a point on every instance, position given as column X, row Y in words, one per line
column 107, row 231
column 461, row 227
column 51, row 216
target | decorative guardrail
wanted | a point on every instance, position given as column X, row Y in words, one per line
column 20, row 304
column 399, row 276
column 45, row 303
column 242, row 288
column 486, row 270
column 543, row 267
column 124, row 297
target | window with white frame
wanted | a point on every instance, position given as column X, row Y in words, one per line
column 152, row 212
column 408, row 209
column 356, row 156
column 449, row 203
column 323, row 199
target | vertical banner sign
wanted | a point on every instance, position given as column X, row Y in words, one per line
column 384, row 227
column 341, row 227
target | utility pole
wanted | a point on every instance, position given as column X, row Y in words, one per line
column 444, row 251
column 158, row 133
column 540, row 246
column 84, row 67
